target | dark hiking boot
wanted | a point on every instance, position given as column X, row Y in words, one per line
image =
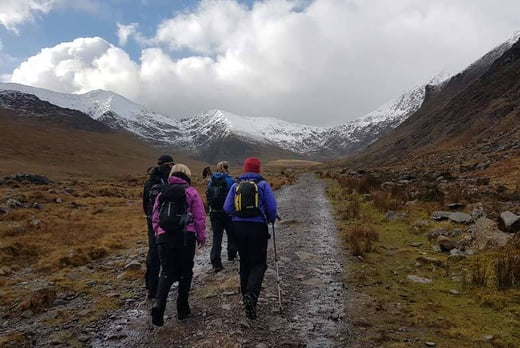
column 151, row 294
column 249, row 306
column 218, row 268
column 157, row 315
column 183, row 310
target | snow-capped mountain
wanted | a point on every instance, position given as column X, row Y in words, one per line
column 211, row 134
column 488, row 59
column 205, row 130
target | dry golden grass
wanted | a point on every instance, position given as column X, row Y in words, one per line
column 50, row 150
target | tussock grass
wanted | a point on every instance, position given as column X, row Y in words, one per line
column 361, row 239
column 384, row 201
column 499, row 270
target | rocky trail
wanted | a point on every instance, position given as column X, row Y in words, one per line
column 313, row 292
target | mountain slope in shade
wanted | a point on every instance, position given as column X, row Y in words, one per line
column 476, row 112
column 30, row 106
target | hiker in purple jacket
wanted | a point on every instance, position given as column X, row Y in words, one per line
column 177, row 249
column 252, row 206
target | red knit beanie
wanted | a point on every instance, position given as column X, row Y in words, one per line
column 251, row 165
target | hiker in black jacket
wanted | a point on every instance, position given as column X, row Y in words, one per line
column 157, row 176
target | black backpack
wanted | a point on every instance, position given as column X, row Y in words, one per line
column 157, row 178
column 247, row 199
column 173, row 208
column 154, row 190
column 217, row 192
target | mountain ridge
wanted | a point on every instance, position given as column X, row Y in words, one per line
column 209, row 129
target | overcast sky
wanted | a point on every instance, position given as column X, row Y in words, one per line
column 320, row 62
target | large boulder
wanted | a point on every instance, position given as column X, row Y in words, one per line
column 509, row 222
column 485, row 234
column 457, row 217
column 446, row 244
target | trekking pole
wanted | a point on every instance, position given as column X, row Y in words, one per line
column 277, row 274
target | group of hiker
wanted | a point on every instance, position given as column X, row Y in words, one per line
column 243, row 207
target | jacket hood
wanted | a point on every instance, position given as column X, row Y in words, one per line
column 159, row 172
column 176, row 180
column 250, row 176
column 220, row 175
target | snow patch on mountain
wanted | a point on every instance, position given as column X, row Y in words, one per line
column 495, row 53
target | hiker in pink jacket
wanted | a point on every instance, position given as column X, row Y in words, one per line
column 179, row 222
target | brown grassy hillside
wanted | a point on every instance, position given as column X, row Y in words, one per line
column 47, row 148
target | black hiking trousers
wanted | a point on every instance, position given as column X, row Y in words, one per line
column 176, row 254
column 221, row 221
column 251, row 240
column 153, row 264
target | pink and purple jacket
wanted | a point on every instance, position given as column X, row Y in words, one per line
column 195, row 207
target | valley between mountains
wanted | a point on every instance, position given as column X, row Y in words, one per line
column 412, row 240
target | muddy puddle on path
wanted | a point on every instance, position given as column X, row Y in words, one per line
column 313, row 294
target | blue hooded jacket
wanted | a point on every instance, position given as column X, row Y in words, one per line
column 267, row 202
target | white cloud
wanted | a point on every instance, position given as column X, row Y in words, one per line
column 79, row 66
column 125, row 31
column 16, row 12
column 319, row 62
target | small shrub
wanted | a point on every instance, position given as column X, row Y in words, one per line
column 75, row 258
column 353, row 210
column 384, row 201
column 96, row 253
column 507, row 265
column 347, row 181
column 361, row 239
column 456, row 194
column 367, row 183
column 18, row 251
column 399, row 192
column 478, row 275
column 432, row 195
column 363, row 184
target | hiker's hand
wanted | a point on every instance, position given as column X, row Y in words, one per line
column 201, row 242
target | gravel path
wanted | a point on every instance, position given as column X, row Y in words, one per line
column 314, row 298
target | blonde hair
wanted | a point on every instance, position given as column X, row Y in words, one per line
column 180, row 168
column 223, row 167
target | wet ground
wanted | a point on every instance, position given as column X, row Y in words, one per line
column 313, row 294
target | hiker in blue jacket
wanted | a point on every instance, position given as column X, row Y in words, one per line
column 216, row 193
column 252, row 206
